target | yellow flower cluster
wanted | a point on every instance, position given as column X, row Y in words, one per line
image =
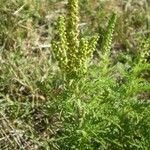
column 106, row 43
column 72, row 52
column 144, row 54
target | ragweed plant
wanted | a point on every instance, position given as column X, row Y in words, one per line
column 144, row 54
column 141, row 64
column 107, row 41
column 71, row 51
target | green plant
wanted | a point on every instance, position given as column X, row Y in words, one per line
column 105, row 45
column 71, row 51
column 111, row 108
column 109, row 112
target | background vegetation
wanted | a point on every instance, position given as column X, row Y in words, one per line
column 108, row 108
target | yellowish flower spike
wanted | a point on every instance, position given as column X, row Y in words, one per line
column 106, row 43
column 144, row 54
column 71, row 52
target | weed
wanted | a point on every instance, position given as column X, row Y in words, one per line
column 108, row 105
